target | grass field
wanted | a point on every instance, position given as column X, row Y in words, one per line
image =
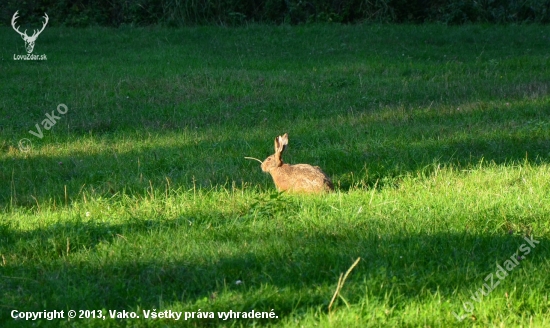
column 139, row 198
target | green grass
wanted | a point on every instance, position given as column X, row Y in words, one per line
column 139, row 198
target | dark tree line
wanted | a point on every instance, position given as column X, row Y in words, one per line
column 238, row 12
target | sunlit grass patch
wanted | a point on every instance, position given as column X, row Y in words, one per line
column 140, row 197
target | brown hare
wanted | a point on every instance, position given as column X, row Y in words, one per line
column 300, row 178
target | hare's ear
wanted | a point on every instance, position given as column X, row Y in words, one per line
column 284, row 140
column 280, row 143
column 276, row 144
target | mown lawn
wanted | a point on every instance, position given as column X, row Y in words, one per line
column 139, row 198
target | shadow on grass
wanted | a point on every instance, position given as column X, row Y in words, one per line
column 280, row 270
column 376, row 147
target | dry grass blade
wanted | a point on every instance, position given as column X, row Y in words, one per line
column 253, row 159
column 341, row 282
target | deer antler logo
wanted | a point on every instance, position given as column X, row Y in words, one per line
column 29, row 40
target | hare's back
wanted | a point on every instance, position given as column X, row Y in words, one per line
column 307, row 169
column 308, row 177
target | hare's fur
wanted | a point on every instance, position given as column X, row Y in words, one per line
column 294, row 178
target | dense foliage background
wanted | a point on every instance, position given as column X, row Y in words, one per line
column 236, row 12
